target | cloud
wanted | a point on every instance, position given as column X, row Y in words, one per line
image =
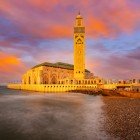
column 135, row 54
column 53, row 19
column 10, row 67
column 97, row 27
column 33, row 31
column 113, row 18
column 115, row 66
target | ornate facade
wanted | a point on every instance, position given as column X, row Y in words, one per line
column 52, row 73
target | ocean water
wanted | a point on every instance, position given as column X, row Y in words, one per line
column 50, row 116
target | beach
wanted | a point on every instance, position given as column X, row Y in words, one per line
column 122, row 119
column 72, row 116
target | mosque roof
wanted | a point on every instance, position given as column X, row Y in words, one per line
column 58, row 65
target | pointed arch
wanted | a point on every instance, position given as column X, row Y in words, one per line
column 64, row 76
column 54, row 79
column 35, row 80
column 29, row 80
column 45, row 79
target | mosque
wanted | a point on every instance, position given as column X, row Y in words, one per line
column 59, row 76
column 63, row 73
column 63, row 77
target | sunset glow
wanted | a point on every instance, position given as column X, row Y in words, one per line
column 36, row 31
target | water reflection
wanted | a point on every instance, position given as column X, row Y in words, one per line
column 50, row 116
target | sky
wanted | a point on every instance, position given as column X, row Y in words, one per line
column 36, row 31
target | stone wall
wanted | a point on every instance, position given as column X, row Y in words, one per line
column 109, row 86
column 51, row 87
column 130, row 94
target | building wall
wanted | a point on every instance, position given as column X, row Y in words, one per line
column 136, row 88
column 52, row 75
column 46, row 75
column 51, row 87
column 64, row 88
column 82, row 82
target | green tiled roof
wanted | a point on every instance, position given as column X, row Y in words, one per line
column 58, row 65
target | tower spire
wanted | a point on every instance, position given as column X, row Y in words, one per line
column 79, row 12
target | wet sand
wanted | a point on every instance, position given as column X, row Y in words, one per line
column 122, row 117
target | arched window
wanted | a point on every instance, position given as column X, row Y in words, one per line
column 54, row 80
column 45, row 79
column 35, row 79
column 79, row 22
column 29, row 80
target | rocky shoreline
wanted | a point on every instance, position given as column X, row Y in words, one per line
column 112, row 93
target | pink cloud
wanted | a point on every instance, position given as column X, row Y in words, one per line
column 118, row 67
column 44, row 18
column 10, row 67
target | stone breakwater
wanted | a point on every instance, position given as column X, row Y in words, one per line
column 122, row 117
column 105, row 92
column 130, row 94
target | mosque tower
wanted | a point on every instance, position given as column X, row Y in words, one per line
column 79, row 48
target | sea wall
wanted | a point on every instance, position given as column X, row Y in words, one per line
column 130, row 94
column 66, row 88
column 51, row 87
column 109, row 86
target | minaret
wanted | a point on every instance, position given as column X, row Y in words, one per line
column 79, row 48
